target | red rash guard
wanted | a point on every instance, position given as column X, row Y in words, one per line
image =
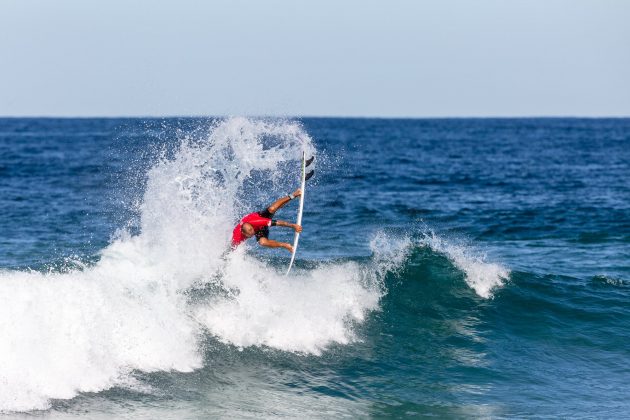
column 254, row 219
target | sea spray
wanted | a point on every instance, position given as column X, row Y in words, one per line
column 389, row 252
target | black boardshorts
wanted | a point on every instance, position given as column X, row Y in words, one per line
column 264, row 232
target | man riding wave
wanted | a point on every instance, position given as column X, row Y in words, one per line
column 258, row 224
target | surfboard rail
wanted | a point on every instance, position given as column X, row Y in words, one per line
column 296, row 238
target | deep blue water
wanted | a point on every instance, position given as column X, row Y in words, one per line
column 546, row 202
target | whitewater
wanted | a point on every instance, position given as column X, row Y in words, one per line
column 153, row 294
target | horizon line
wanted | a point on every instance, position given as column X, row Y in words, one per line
column 200, row 116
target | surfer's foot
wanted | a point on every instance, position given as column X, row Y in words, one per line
column 297, row 193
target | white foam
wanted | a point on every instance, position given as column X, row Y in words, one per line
column 89, row 329
column 304, row 312
column 84, row 331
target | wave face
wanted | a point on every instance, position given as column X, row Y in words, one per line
column 447, row 268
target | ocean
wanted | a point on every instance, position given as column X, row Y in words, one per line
column 448, row 268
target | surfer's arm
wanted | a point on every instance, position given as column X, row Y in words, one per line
column 270, row 243
column 282, row 223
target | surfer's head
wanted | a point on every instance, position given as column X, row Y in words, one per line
column 247, row 230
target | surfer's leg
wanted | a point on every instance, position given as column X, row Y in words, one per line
column 279, row 203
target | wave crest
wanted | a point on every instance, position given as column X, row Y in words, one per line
column 482, row 276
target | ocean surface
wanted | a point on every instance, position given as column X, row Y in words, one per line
column 454, row 268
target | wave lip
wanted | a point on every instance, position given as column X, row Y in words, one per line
column 482, row 276
column 391, row 252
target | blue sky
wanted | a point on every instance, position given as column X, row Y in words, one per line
column 318, row 58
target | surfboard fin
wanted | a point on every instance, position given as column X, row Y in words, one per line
column 309, row 175
column 309, row 161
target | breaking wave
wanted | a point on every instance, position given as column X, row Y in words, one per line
column 150, row 298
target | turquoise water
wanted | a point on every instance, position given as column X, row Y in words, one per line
column 464, row 268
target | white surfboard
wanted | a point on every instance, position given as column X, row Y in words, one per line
column 296, row 238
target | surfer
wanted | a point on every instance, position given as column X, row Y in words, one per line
column 258, row 224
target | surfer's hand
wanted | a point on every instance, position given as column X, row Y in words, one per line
column 297, row 228
column 297, row 193
column 289, row 248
